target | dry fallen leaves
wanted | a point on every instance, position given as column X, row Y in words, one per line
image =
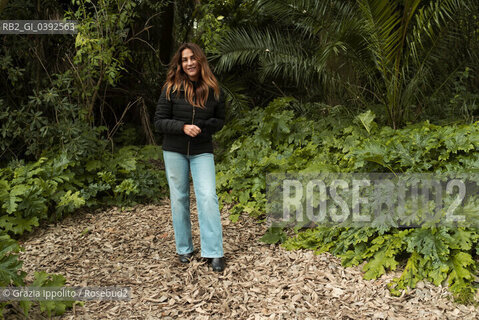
column 137, row 249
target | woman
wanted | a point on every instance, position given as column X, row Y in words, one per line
column 191, row 108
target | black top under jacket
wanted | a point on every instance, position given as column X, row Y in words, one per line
column 172, row 115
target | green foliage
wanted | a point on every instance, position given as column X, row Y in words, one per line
column 274, row 139
column 274, row 235
column 51, row 104
column 302, row 44
column 50, row 188
column 431, row 254
column 463, row 103
column 10, row 272
column 48, row 120
column 14, row 72
column 270, row 138
column 12, row 275
column 43, row 279
column 101, row 49
column 210, row 28
column 400, row 55
column 399, row 38
column 324, row 52
column 214, row 20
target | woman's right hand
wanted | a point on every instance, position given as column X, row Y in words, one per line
column 191, row 130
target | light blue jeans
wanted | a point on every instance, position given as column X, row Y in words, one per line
column 202, row 166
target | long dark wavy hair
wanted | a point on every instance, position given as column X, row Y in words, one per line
column 177, row 79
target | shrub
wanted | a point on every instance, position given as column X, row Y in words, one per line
column 274, row 139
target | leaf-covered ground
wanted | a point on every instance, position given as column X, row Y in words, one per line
column 136, row 248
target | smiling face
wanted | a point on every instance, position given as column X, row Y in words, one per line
column 190, row 64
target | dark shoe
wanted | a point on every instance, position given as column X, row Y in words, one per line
column 185, row 258
column 218, row 264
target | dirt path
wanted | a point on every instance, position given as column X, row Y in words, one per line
column 136, row 248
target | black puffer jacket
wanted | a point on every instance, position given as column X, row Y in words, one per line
column 172, row 115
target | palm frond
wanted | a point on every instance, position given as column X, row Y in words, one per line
column 382, row 25
column 311, row 16
column 244, row 46
column 286, row 56
column 235, row 94
column 428, row 23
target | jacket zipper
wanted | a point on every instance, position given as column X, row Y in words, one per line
column 192, row 121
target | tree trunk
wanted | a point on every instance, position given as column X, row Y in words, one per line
column 166, row 37
column 3, row 4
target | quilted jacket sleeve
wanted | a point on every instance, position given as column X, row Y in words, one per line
column 215, row 123
column 164, row 121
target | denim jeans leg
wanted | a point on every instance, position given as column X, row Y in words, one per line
column 204, row 181
column 177, row 174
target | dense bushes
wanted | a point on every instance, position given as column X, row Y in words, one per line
column 275, row 139
column 49, row 188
